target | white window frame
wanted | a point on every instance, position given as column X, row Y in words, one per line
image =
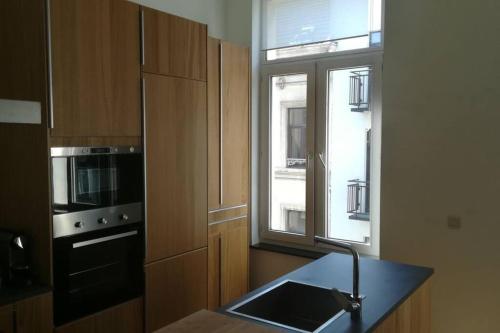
column 308, row 68
column 373, row 60
column 371, row 56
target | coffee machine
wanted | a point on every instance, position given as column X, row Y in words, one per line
column 14, row 267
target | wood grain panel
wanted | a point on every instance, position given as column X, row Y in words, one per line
column 34, row 314
column 176, row 154
column 96, row 68
column 213, row 99
column 67, row 141
column 413, row 316
column 235, row 115
column 175, row 288
column 234, row 261
column 24, row 165
column 22, row 41
column 206, row 322
column 227, row 213
column 174, row 46
column 24, row 179
column 214, row 272
column 228, row 262
column 124, row 318
column 7, row 319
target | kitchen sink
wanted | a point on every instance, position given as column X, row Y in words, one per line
column 292, row 305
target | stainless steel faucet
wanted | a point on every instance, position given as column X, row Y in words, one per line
column 353, row 303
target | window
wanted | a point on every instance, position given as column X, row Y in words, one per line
column 303, row 27
column 321, row 123
column 295, row 221
column 296, row 142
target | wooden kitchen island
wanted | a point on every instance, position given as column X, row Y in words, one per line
column 397, row 299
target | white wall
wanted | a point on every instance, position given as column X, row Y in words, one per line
column 211, row 12
column 239, row 21
column 441, row 153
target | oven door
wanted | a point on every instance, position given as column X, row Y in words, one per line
column 96, row 270
column 91, row 178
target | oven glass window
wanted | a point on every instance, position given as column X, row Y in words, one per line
column 95, row 181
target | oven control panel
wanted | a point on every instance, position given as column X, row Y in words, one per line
column 96, row 219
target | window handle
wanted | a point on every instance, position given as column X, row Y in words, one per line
column 309, row 159
column 321, row 157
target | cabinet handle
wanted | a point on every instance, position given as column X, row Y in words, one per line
column 49, row 65
column 141, row 20
column 221, row 124
column 144, row 159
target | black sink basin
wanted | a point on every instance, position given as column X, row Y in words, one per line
column 292, row 305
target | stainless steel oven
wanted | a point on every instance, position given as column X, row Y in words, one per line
column 98, row 228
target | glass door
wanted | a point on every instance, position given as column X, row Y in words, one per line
column 288, row 116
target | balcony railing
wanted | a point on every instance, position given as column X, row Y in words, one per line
column 296, row 163
column 359, row 91
column 358, row 200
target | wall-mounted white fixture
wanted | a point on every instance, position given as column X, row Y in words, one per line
column 20, row 112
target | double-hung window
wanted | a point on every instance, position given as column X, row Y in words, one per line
column 321, row 121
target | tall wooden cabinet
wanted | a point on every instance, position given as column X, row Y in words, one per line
column 95, row 68
column 175, row 141
column 176, row 160
column 228, row 171
column 228, row 126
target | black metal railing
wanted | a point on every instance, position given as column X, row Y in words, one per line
column 358, row 199
column 296, row 163
column 359, row 91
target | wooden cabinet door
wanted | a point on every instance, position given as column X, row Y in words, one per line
column 7, row 319
column 175, row 288
column 176, row 166
column 34, row 314
column 234, row 122
column 228, row 262
column 174, row 46
column 228, row 124
column 214, row 134
column 124, row 318
column 95, row 68
column 234, row 260
column 214, row 259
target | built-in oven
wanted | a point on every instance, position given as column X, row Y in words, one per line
column 98, row 229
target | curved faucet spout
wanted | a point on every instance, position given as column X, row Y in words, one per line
column 355, row 307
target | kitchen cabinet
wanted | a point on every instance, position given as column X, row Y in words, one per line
column 227, row 261
column 32, row 314
column 95, row 62
column 176, row 165
column 123, row 318
column 174, row 46
column 228, row 124
column 175, row 288
column 7, row 319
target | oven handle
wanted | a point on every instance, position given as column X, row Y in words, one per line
column 104, row 239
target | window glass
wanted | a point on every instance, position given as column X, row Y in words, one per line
column 288, row 146
column 349, row 154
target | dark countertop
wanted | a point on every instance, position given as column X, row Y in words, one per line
column 384, row 284
column 11, row 295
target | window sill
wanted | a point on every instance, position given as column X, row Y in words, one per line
column 290, row 250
